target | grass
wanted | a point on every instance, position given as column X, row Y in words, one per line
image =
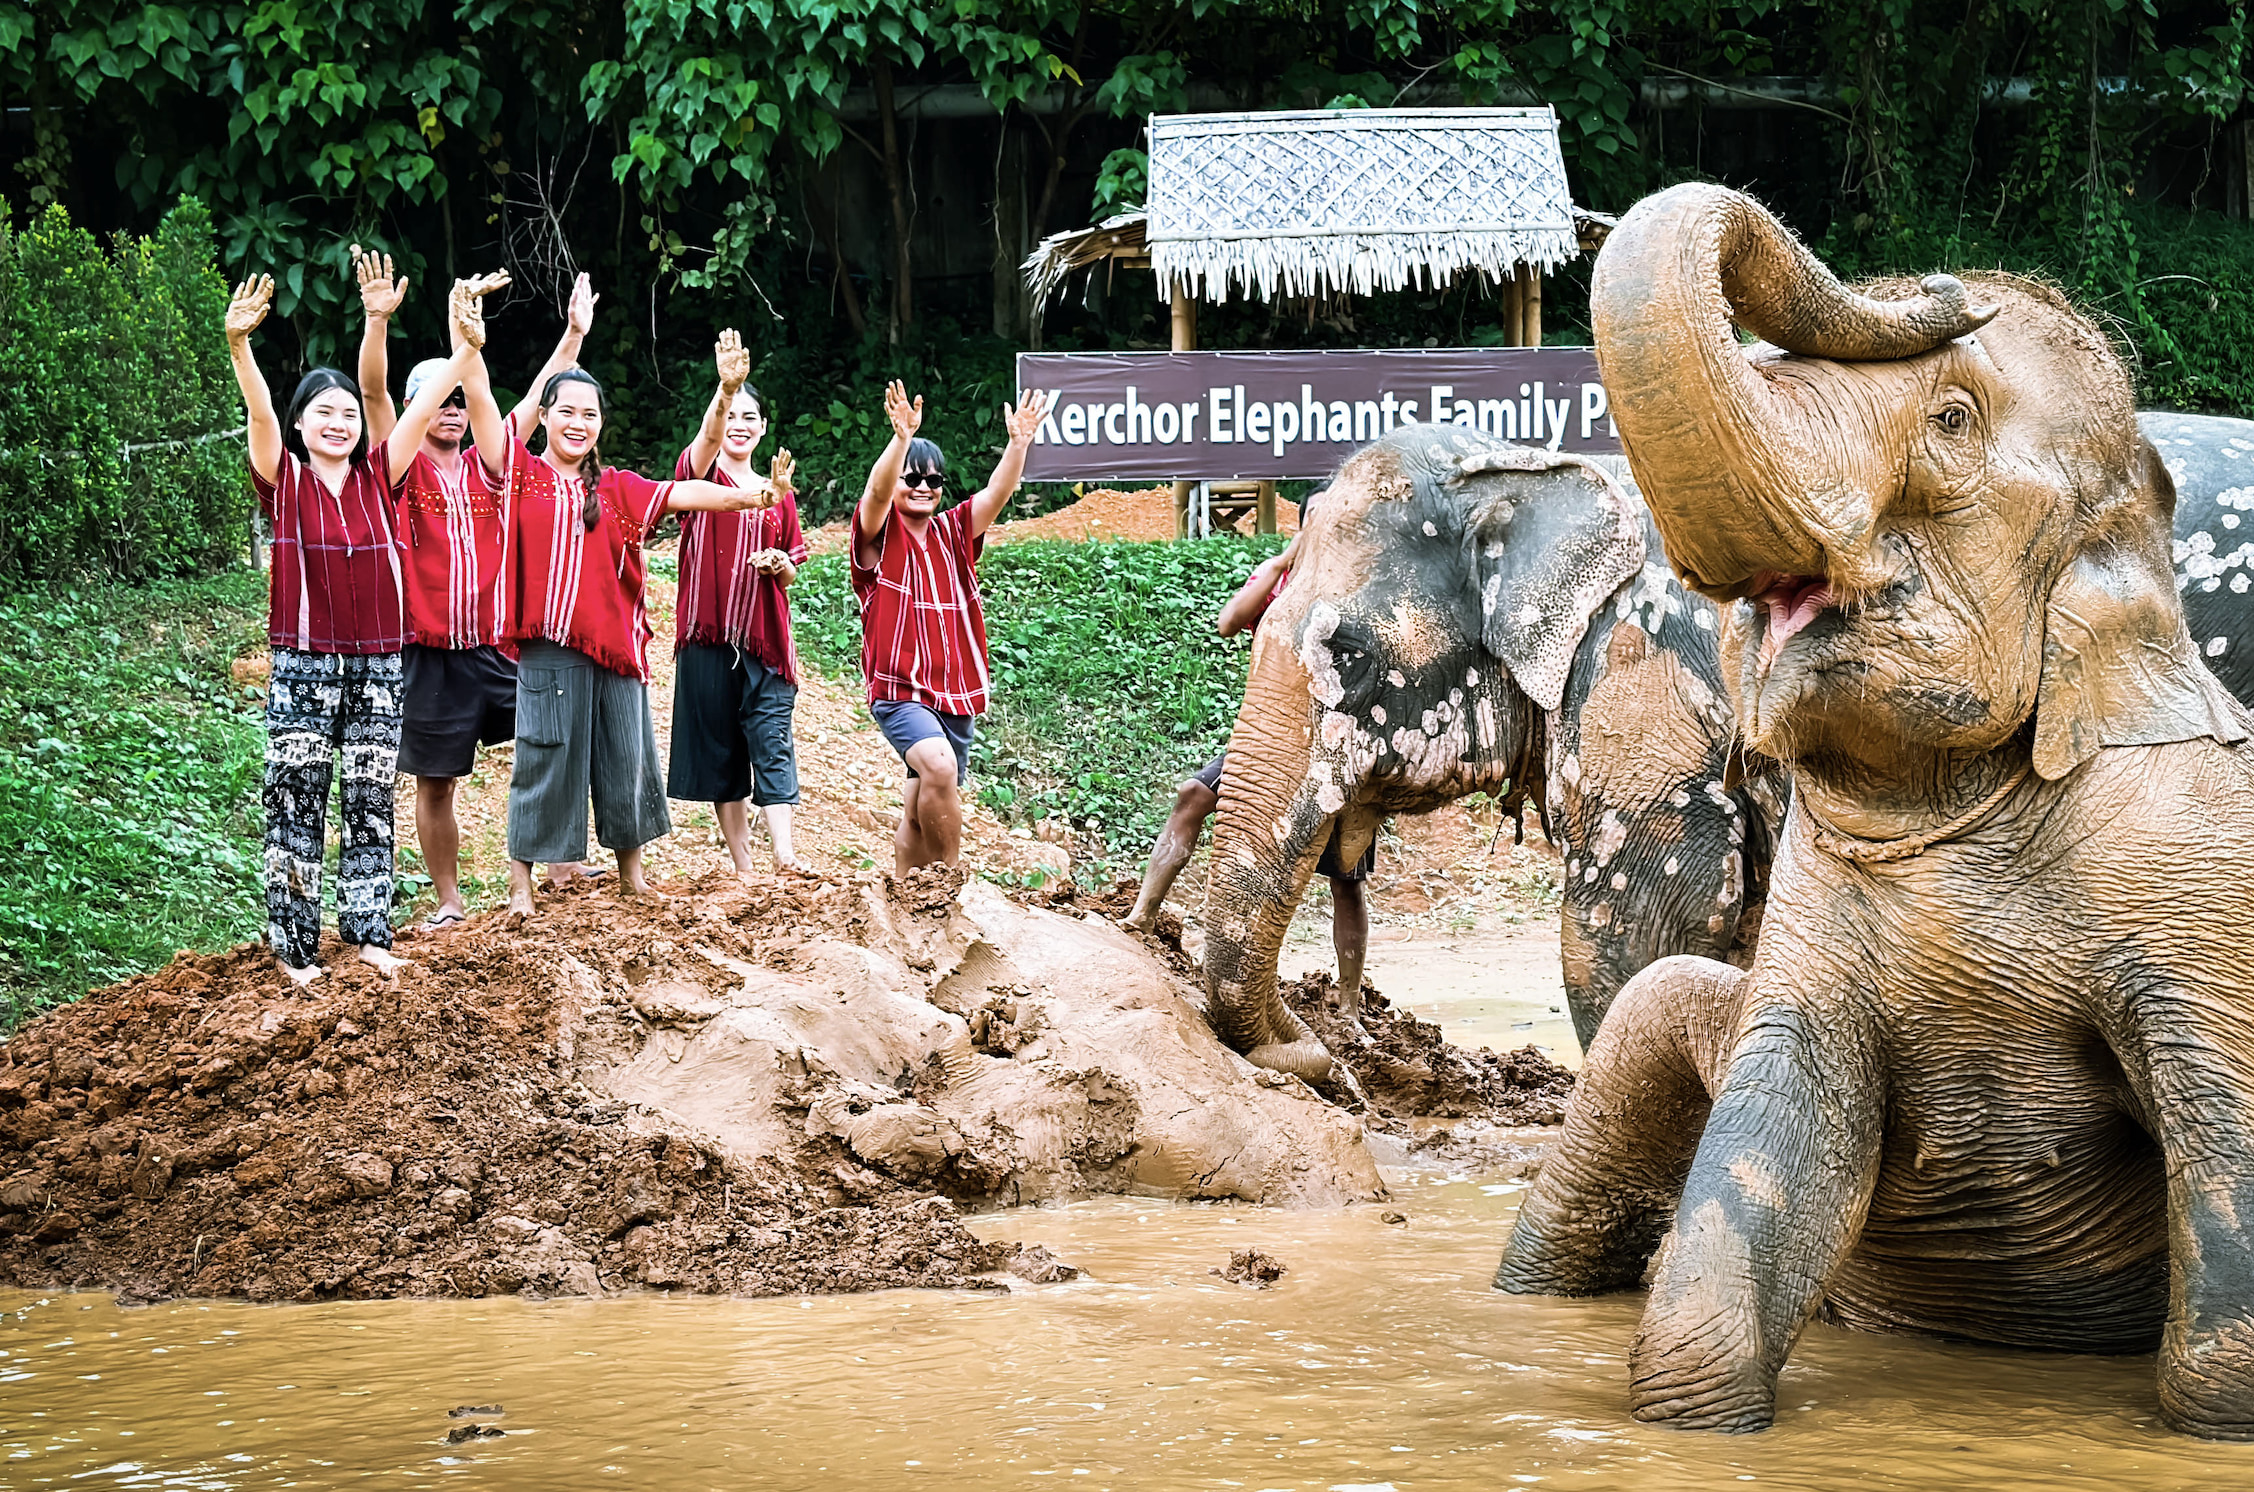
column 129, row 774
column 1110, row 684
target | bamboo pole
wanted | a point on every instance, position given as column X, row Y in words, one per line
column 1533, row 302
column 1184, row 322
column 1514, row 312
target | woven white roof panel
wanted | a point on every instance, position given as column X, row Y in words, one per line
column 1356, row 200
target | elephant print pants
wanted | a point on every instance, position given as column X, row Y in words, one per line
column 320, row 706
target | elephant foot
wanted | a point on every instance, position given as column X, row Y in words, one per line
column 2207, row 1386
column 1308, row 1060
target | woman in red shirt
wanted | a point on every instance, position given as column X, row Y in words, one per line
column 735, row 673
column 336, row 620
column 572, row 582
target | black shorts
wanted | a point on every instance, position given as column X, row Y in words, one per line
column 1210, row 775
column 454, row 699
column 731, row 729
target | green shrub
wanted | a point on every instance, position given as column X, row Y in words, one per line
column 116, row 404
column 129, row 773
column 1110, row 684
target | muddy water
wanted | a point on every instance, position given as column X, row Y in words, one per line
column 1381, row 1360
column 1488, row 986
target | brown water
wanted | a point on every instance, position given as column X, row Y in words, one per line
column 1381, row 1360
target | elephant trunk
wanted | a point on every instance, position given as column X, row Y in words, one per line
column 1738, row 464
column 1265, row 843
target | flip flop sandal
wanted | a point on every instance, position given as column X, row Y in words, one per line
column 439, row 920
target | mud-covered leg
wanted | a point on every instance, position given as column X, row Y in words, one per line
column 1775, row 1197
column 2198, row 1048
column 1604, row 1198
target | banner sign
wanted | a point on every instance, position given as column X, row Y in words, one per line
column 1205, row 416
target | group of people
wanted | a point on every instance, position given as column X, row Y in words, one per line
column 429, row 596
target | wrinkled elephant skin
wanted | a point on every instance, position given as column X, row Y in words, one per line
column 1991, row 1073
column 1463, row 616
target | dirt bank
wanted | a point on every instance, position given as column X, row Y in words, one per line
column 1407, row 1067
column 788, row 1086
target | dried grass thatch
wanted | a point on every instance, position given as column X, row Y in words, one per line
column 1355, row 200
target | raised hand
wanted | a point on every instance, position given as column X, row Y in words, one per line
column 734, row 363
column 1023, row 420
column 782, row 470
column 380, row 295
column 907, row 418
column 465, row 307
column 581, row 316
column 247, row 307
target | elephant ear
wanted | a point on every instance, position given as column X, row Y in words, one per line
column 1552, row 536
column 2118, row 667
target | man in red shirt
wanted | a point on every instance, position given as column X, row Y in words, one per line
column 923, row 628
column 460, row 688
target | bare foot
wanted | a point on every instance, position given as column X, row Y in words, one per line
column 301, row 977
column 520, row 902
column 382, row 960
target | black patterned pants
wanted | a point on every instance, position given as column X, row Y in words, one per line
column 319, row 707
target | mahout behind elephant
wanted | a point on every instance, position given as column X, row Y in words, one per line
column 1468, row 615
column 1991, row 1073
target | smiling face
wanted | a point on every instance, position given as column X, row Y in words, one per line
column 1955, row 488
column 919, row 492
column 747, row 426
column 574, row 422
column 330, row 425
column 451, row 423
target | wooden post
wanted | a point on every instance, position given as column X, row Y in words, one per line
column 1184, row 319
column 1264, row 509
column 1533, row 322
column 1514, row 311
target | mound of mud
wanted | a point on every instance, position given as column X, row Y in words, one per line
column 1407, row 1067
column 757, row 1090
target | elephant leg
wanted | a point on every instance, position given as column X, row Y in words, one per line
column 1774, row 1200
column 1602, row 1201
column 2197, row 1049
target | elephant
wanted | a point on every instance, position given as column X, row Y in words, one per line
column 2210, row 458
column 1468, row 615
column 1990, row 1074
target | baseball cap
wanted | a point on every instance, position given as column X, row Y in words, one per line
column 422, row 373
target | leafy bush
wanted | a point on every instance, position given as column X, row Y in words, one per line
column 1110, row 684
column 129, row 774
column 116, row 404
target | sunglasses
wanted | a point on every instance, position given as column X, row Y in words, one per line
column 455, row 400
column 927, row 479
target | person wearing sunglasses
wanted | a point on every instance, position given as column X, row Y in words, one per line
column 923, row 625
column 460, row 686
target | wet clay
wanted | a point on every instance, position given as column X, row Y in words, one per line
column 1406, row 1067
column 794, row 1086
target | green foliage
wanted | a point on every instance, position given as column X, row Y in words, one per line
column 1110, row 684
column 129, row 776
column 1122, row 184
column 117, row 406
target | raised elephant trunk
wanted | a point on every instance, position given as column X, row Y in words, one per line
column 1265, row 843
column 1737, row 466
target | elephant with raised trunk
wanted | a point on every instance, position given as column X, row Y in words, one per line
column 1467, row 615
column 1991, row 1073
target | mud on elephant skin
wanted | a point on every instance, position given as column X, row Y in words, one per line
column 1468, row 615
column 1991, row 1074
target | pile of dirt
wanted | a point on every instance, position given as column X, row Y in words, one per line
column 1252, row 1267
column 1407, row 1066
column 780, row 1087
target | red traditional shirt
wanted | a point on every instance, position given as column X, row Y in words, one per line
column 571, row 584
column 335, row 586
column 723, row 601
column 923, row 627
column 450, row 539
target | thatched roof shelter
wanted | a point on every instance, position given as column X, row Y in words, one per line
column 1353, row 200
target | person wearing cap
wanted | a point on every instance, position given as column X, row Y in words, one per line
column 460, row 677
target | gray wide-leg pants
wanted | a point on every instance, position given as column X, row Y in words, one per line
column 582, row 731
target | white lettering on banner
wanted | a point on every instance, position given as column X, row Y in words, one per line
column 1408, row 411
column 1165, row 422
column 1253, row 421
column 1286, row 424
column 1136, row 409
column 1189, row 420
column 1594, row 402
column 1499, row 418
column 1341, row 429
column 1112, row 412
column 1389, row 404
column 1310, row 414
column 1557, row 410
column 1075, row 425
column 1441, row 394
column 1222, row 433
column 1048, row 434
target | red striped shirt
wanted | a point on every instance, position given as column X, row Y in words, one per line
column 923, row 626
column 450, row 533
column 724, row 602
column 570, row 584
column 335, row 586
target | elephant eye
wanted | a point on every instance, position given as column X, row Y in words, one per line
column 1952, row 418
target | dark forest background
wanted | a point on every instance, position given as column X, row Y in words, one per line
column 854, row 185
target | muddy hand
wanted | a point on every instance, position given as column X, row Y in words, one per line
column 733, row 362
column 380, row 295
column 783, row 470
column 907, row 417
column 1024, row 419
column 581, row 315
column 249, row 305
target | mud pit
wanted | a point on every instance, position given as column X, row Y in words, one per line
column 796, row 1086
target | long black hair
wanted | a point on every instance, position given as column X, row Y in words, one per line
column 309, row 388
column 591, row 468
column 924, row 455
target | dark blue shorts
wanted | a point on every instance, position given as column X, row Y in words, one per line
column 904, row 723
